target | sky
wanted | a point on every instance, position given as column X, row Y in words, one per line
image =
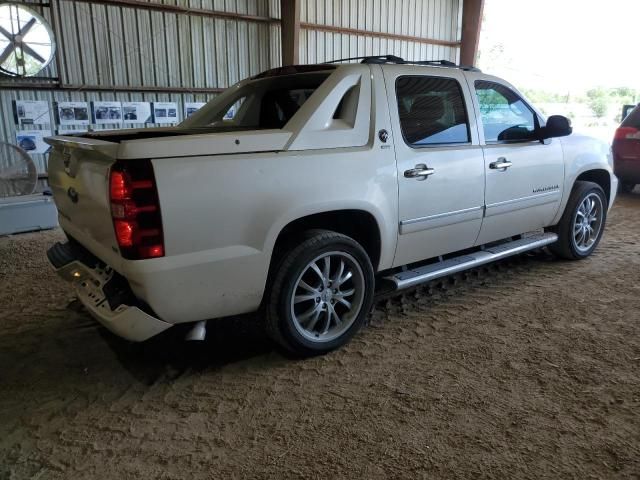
column 562, row 45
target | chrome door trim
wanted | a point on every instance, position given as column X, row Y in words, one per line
column 522, row 203
column 440, row 220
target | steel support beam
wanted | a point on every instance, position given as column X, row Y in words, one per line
column 370, row 33
column 471, row 23
column 55, row 84
column 290, row 31
column 161, row 7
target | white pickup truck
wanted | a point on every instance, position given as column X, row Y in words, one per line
column 295, row 191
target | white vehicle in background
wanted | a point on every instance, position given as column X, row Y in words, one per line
column 327, row 179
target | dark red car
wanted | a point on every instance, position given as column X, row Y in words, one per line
column 626, row 151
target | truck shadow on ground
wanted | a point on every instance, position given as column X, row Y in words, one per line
column 243, row 338
column 69, row 340
column 229, row 340
column 240, row 338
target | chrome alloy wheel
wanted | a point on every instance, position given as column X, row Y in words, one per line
column 587, row 222
column 327, row 296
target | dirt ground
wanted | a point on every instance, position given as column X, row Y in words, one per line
column 528, row 369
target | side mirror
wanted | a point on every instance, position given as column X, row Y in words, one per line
column 557, row 126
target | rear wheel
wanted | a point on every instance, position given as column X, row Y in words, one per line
column 582, row 224
column 321, row 293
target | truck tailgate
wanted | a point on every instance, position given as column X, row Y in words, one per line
column 79, row 180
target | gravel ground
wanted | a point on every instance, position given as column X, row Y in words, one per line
column 528, row 369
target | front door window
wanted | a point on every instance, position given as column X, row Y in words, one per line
column 505, row 116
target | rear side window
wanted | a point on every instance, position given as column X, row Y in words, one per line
column 633, row 119
column 267, row 102
column 432, row 111
column 278, row 106
column 505, row 116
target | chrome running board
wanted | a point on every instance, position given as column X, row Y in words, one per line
column 415, row 276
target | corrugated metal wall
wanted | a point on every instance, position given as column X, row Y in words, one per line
column 112, row 45
column 109, row 45
column 432, row 19
column 8, row 126
column 133, row 46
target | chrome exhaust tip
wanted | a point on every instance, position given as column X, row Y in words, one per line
column 198, row 332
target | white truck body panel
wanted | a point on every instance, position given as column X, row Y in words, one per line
column 314, row 122
column 526, row 196
column 583, row 154
column 206, row 144
column 226, row 197
column 433, row 220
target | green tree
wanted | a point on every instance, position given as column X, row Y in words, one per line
column 598, row 101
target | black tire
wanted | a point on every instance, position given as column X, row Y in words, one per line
column 566, row 246
column 281, row 321
column 626, row 187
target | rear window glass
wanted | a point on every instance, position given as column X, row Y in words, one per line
column 264, row 103
column 431, row 110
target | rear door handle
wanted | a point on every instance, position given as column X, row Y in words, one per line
column 501, row 164
column 421, row 172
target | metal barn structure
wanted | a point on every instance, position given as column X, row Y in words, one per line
column 188, row 50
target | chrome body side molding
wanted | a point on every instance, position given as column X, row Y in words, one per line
column 440, row 220
column 522, row 203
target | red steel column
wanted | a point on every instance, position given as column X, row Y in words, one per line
column 471, row 23
column 290, row 31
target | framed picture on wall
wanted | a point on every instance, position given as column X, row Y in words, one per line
column 165, row 112
column 107, row 112
column 32, row 112
column 136, row 112
column 73, row 113
column 32, row 141
column 192, row 107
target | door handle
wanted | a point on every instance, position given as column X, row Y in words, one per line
column 421, row 172
column 501, row 164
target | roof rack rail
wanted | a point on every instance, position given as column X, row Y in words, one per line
column 371, row 59
column 382, row 59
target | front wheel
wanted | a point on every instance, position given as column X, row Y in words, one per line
column 582, row 224
column 321, row 293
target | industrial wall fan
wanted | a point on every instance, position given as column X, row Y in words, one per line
column 26, row 41
column 18, row 174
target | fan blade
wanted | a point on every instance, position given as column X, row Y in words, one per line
column 18, row 173
column 14, row 171
column 22, row 186
column 30, row 51
column 7, row 53
column 6, row 34
column 27, row 26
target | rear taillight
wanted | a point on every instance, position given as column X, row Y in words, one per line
column 135, row 210
column 627, row 133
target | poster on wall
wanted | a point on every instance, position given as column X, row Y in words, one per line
column 231, row 112
column 192, row 107
column 73, row 113
column 32, row 112
column 107, row 112
column 165, row 112
column 32, row 141
column 136, row 112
